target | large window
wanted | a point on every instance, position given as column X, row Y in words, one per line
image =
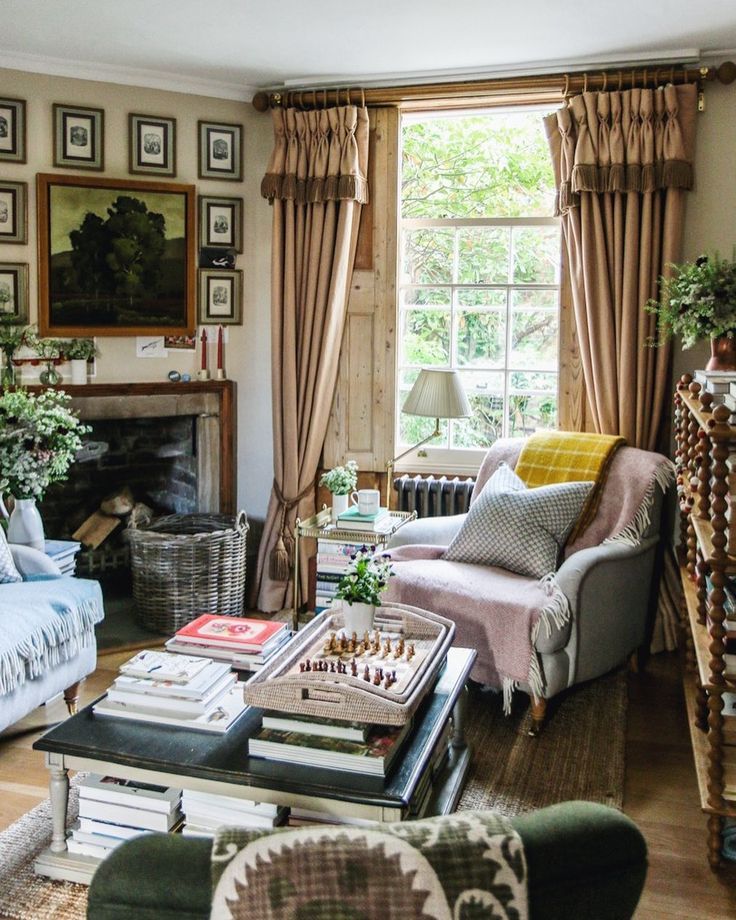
column 479, row 273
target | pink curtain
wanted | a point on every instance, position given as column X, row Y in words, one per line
column 316, row 181
column 623, row 162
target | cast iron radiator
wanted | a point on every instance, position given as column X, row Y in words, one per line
column 432, row 497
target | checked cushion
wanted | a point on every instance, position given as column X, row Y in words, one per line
column 519, row 529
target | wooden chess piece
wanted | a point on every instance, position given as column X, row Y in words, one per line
column 332, row 667
column 377, row 678
column 367, row 673
column 302, row 667
column 410, row 652
column 353, row 668
column 387, row 682
column 307, row 665
column 399, row 648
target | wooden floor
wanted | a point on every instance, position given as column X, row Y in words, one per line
column 660, row 794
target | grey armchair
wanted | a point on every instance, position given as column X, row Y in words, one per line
column 606, row 577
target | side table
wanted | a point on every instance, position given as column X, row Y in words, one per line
column 320, row 527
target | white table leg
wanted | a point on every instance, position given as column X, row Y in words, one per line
column 59, row 793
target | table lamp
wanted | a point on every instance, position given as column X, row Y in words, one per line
column 437, row 393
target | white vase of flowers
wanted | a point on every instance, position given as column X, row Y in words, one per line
column 39, row 439
column 360, row 589
column 341, row 480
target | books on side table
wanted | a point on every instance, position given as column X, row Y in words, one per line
column 246, row 644
column 113, row 810
column 180, row 690
column 352, row 519
column 64, row 554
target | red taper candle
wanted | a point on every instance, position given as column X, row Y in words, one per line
column 219, row 348
column 203, row 340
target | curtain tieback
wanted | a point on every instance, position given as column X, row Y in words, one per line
column 280, row 561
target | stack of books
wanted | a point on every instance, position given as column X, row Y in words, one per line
column 245, row 644
column 204, row 812
column 352, row 519
column 346, row 746
column 717, row 382
column 181, row 690
column 64, row 554
column 113, row 810
column 333, row 561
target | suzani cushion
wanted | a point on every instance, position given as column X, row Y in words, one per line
column 466, row 865
column 519, row 529
column 8, row 571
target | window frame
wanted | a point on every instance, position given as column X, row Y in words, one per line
column 457, row 459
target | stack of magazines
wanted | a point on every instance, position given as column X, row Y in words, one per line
column 182, row 690
column 204, row 812
column 113, row 810
column 247, row 644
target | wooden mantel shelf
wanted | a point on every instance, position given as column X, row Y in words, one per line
column 212, row 401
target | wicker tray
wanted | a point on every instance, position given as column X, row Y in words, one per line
column 283, row 686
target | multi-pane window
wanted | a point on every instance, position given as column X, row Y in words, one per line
column 479, row 272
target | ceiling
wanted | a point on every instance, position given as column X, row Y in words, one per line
column 232, row 47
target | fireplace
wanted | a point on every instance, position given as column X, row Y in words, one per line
column 172, row 444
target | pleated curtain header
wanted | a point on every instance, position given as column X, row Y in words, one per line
column 638, row 140
column 318, row 156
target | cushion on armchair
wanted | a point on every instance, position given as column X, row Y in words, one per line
column 8, row 571
column 519, row 529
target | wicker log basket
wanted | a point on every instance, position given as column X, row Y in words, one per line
column 185, row 565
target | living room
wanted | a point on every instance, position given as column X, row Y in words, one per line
column 393, row 256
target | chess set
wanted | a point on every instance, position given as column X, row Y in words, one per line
column 380, row 677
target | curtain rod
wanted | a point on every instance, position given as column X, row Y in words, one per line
column 556, row 85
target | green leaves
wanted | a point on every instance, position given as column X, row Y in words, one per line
column 342, row 479
column 366, row 579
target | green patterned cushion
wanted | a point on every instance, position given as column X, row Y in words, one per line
column 459, row 867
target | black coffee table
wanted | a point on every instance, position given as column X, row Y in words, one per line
column 197, row 761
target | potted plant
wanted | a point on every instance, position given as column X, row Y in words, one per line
column 39, row 439
column 698, row 302
column 12, row 337
column 341, row 480
column 79, row 352
column 361, row 587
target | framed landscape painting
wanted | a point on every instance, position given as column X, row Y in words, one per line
column 115, row 256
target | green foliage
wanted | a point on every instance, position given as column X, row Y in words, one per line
column 39, row 438
column 473, row 166
column 366, row 579
column 341, row 480
column 698, row 301
column 79, row 349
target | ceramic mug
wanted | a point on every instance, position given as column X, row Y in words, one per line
column 367, row 500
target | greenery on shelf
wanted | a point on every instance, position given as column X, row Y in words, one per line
column 341, row 480
column 698, row 301
column 79, row 349
column 39, row 439
column 366, row 579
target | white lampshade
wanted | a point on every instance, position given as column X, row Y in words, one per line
column 438, row 393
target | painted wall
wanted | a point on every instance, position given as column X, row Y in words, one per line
column 248, row 349
column 710, row 219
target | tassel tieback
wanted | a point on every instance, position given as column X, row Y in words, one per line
column 279, row 565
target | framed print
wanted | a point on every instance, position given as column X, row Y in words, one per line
column 152, row 145
column 14, row 291
column 13, row 130
column 13, row 212
column 221, row 222
column 115, row 256
column 220, row 151
column 79, row 137
column 220, row 295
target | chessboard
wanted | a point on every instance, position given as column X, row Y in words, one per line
column 379, row 677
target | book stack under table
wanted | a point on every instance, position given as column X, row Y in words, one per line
column 113, row 810
column 246, row 644
column 180, row 690
column 204, row 812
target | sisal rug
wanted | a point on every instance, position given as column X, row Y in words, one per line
column 579, row 755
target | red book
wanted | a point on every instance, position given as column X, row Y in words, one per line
column 239, row 633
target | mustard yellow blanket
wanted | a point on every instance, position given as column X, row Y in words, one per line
column 567, row 456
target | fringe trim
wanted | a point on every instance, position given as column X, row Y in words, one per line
column 317, row 189
column 58, row 640
column 556, row 612
column 588, row 177
column 632, row 534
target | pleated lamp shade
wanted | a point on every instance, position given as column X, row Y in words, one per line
column 438, row 394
